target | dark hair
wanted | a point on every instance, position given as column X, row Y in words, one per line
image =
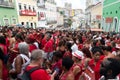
column 19, row 36
column 86, row 51
column 107, row 48
column 113, row 65
column 97, row 49
column 2, row 40
column 67, row 62
column 95, row 42
column 68, row 46
column 61, row 43
column 57, row 54
column 102, row 41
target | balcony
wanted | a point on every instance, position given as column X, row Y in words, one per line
column 6, row 4
column 27, row 13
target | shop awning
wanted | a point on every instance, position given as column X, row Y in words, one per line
column 94, row 29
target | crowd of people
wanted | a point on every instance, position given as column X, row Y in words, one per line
column 59, row 54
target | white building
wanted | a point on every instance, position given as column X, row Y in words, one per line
column 60, row 19
column 51, row 13
column 47, row 15
column 41, row 13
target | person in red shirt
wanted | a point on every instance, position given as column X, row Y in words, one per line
column 68, row 52
column 14, row 49
column 3, row 68
column 77, row 66
column 36, row 61
column 95, row 63
column 110, row 69
column 57, row 63
column 48, row 47
column 67, row 74
column 30, row 40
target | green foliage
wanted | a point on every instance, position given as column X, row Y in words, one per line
column 70, row 22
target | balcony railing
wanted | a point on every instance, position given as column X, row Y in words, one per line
column 28, row 13
column 6, row 4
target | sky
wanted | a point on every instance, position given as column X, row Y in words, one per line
column 76, row 4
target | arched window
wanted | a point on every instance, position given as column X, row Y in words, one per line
column 115, row 23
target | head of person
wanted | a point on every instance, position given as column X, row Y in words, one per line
column 30, row 39
column 23, row 48
column 57, row 55
column 106, row 49
column 97, row 52
column 37, row 57
column 68, row 46
column 48, row 36
column 67, row 63
column 77, row 56
column 19, row 37
column 87, row 52
column 61, row 45
column 110, row 68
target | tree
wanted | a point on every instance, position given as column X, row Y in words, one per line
column 70, row 22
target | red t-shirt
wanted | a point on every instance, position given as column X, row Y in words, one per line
column 49, row 46
column 32, row 47
column 43, row 42
column 79, row 74
column 67, row 54
column 95, row 68
column 80, row 46
column 39, row 74
column 4, row 73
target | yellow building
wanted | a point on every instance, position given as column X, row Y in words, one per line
column 27, row 14
column 96, row 15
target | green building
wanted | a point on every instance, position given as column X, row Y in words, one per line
column 111, row 15
column 8, row 12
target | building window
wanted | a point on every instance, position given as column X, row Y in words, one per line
column 29, row 7
column 6, row 21
column 14, row 21
column 107, row 13
column 22, row 23
column 110, row 12
column 20, row 7
column 25, row 6
column 31, row 25
column 33, row 9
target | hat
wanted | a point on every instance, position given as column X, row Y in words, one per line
column 78, row 54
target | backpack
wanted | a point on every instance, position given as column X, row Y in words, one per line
column 26, row 74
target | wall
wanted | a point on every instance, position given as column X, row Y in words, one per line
column 111, row 9
column 28, row 20
column 8, row 13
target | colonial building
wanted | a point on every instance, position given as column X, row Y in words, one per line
column 41, row 10
column 51, row 13
column 8, row 13
column 111, row 15
column 93, row 13
column 27, row 14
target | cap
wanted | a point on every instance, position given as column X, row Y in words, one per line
column 78, row 54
